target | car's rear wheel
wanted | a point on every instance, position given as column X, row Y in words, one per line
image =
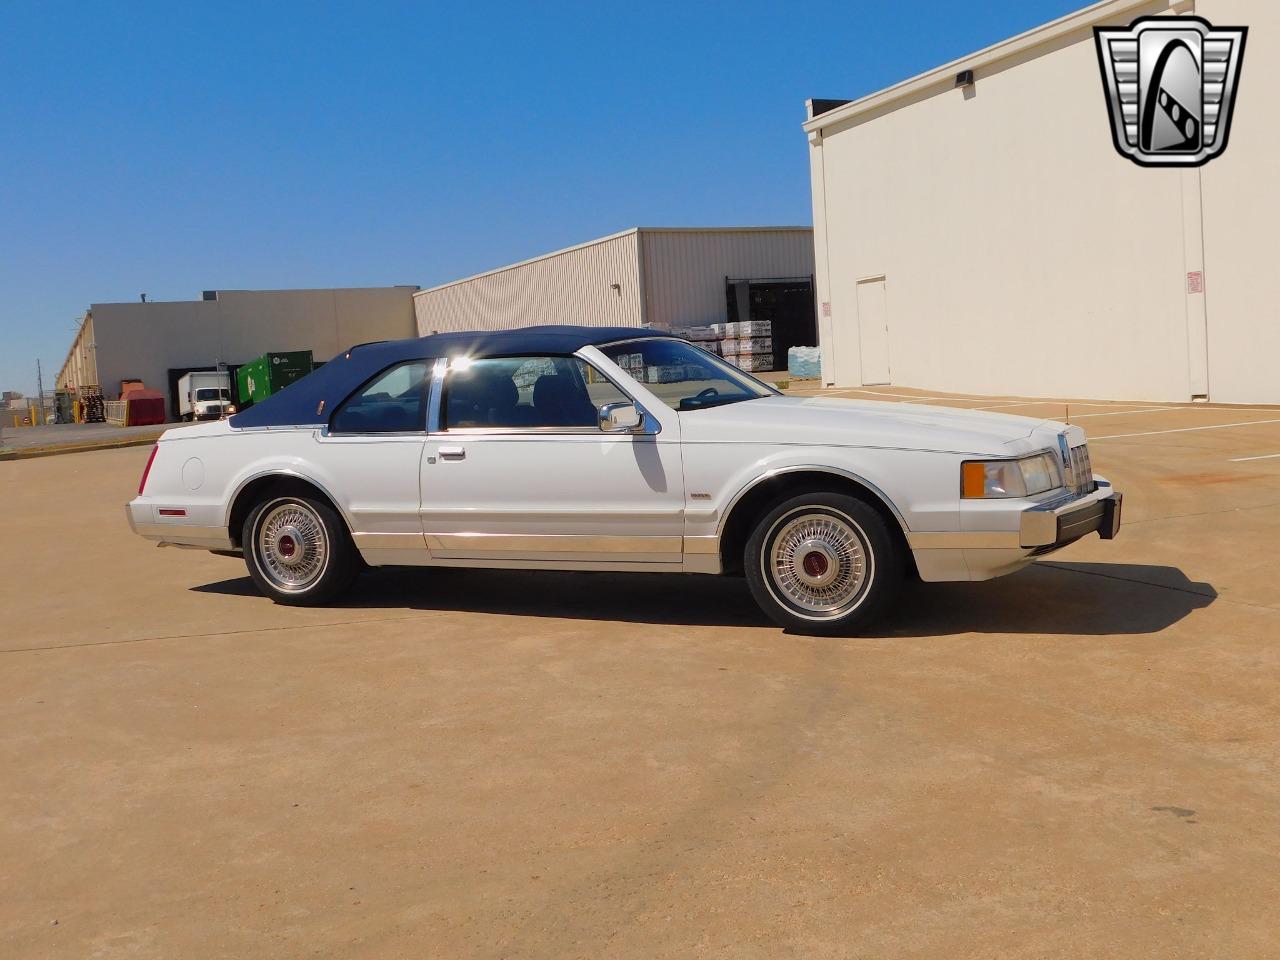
column 823, row 563
column 298, row 550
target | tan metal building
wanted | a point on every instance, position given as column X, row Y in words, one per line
column 647, row 276
column 156, row 341
column 987, row 237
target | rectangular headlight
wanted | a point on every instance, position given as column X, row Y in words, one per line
column 1010, row 478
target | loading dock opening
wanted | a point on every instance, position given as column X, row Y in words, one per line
column 786, row 302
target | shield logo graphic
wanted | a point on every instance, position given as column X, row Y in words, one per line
column 1170, row 84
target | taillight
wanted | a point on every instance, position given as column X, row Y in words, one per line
column 142, row 484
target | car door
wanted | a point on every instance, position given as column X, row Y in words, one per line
column 518, row 469
column 369, row 457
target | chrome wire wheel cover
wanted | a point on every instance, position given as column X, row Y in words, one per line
column 818, row 563
column 292, row 546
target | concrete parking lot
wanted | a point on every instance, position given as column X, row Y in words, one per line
column 1076, row 761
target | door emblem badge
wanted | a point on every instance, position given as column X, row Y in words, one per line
column 1171, row 85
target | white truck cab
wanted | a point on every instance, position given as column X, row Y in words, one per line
column 205, row 395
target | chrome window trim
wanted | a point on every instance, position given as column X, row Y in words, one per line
column 437, row 392
column 326, row 433
column 524, row 431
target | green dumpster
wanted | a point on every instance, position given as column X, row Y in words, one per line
column 270, row 373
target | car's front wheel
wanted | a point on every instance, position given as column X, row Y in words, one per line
column 298, row 550
column 823, row 563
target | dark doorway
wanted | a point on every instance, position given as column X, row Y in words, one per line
column 786, row 302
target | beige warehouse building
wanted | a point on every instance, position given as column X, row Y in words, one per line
column 157, row 341
column 666, row 278
column 987, row 237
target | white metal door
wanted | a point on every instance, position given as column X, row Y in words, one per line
column 873, row 330
column 512, row 472
column 599, row 497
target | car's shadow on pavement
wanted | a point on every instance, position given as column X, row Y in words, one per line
column 1047, row 598
column 1052, row 597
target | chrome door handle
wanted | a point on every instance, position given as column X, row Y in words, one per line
column 452, row 453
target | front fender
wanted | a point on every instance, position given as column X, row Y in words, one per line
column 921, row 488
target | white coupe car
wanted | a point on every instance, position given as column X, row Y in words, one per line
column 587, row 448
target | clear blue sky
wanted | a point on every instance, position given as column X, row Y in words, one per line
column 172, row 148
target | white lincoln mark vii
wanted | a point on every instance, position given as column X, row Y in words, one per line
column 589, row 448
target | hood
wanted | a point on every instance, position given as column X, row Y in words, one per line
column 864, row 423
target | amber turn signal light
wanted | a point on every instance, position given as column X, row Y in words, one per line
column 973, row 480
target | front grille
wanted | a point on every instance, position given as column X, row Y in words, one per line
column 1080, row 471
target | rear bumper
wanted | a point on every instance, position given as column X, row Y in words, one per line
column 144, row 522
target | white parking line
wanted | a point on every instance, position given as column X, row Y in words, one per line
column 1020, row 403
column 1265, row 456
column 1215, row 426
column 1121, row 413
column 907, row 396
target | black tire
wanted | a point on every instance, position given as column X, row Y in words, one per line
column 321, row 561
column 824, row 564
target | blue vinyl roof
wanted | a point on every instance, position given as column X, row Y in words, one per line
column 300, row 402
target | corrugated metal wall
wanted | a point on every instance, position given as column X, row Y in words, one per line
column 569, row 286
column 684, row 270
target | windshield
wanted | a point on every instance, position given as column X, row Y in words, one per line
column 682, row 376
column 209, row 393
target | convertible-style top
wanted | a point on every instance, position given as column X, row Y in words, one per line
column 312, row 399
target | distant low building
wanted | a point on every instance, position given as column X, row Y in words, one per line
column 158, row 341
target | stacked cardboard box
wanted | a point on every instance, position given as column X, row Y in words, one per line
column 748, row 345
column 666, row 373
column 633, row 363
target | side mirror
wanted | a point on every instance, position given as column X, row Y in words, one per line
column 620, row 418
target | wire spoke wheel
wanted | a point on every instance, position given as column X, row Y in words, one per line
column 818, row 562
column 292, row 546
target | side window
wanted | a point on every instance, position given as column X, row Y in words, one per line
column 525, row 392
column 395, row 401
column 600, row 388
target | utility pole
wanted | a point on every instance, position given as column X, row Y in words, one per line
column 40, row 390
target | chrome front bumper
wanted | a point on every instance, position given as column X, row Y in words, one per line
column 1049, row 526
column 1002, row 538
